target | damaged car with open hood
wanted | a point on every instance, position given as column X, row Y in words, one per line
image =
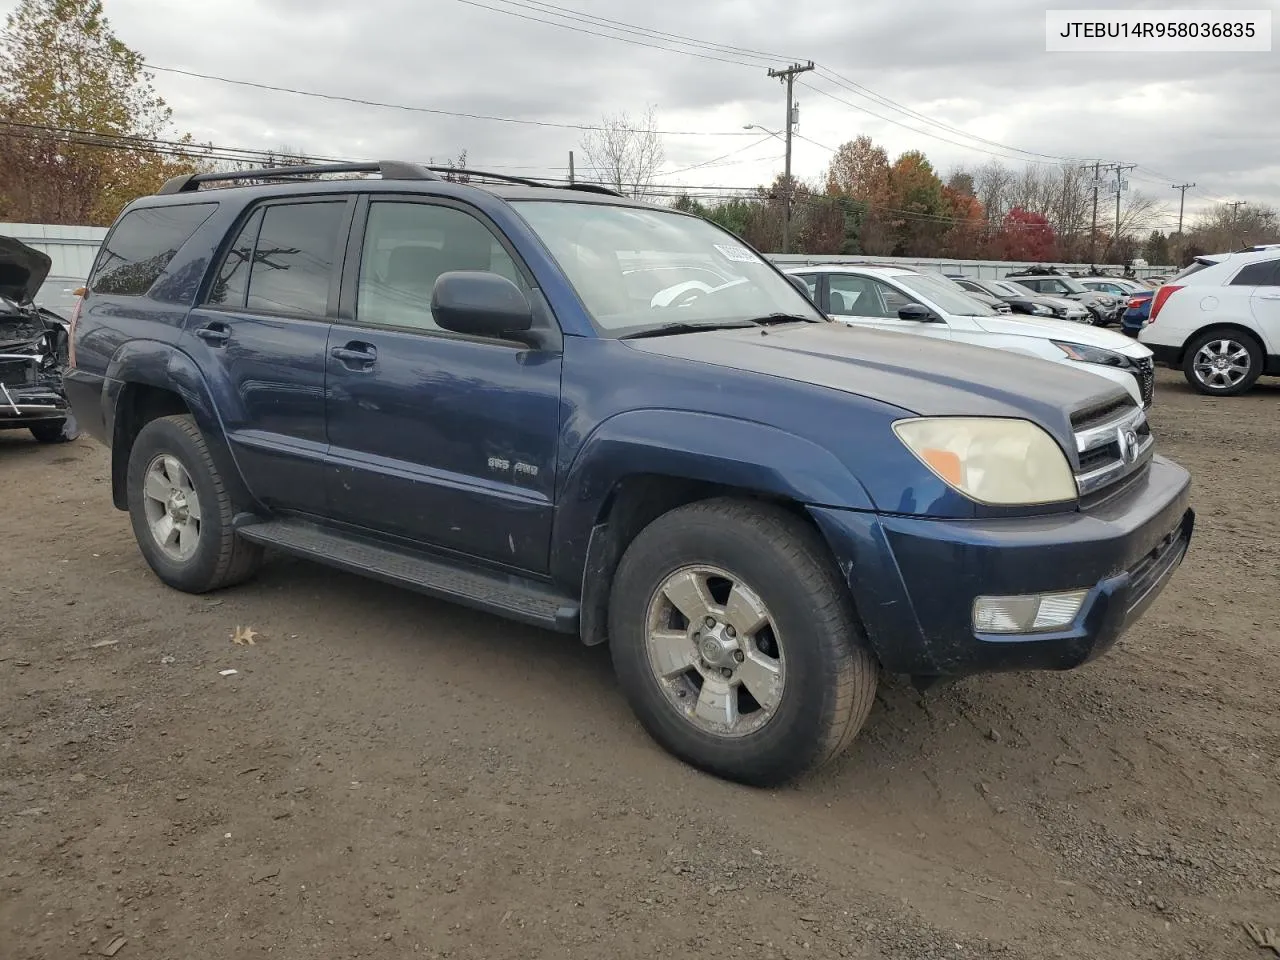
column 33, row 349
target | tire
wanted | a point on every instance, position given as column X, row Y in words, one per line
column 54, row 431
column 211, row 558
column 828, row 674
column 1234, row 346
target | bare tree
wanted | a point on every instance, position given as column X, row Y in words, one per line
column 625, row 153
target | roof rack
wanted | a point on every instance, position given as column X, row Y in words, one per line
column 390, row 170
column 525, row 181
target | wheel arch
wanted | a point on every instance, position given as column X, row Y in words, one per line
column 146, row 380
column 637, row 465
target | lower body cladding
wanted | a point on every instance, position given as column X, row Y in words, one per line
column 948, row 598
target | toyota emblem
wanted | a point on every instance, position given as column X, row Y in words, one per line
column 1127, row 440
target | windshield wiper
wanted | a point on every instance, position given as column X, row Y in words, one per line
column 771, row 318
column 668, row 329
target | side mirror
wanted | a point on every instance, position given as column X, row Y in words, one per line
column 917, row 312
column 800, row 285
column 481, row 304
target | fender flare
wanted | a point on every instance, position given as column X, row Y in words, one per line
column 164, row 366
column 699, row 447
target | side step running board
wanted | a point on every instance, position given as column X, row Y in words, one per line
column 506, row 595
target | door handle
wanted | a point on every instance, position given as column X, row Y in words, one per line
column 214, row 334
column 1269, row 296
column 356, row 355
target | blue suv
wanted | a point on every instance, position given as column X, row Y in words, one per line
column 614, row 420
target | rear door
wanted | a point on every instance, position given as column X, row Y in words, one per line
column 260, row 337
column 437, row 438
column 1263, row 278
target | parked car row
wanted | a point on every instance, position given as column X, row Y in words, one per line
column 929, row 305
column 616, row 420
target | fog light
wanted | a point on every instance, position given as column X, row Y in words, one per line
column 1031, row 613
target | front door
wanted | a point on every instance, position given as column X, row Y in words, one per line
column 864, row 301
column 437, row 438
column 260, row 337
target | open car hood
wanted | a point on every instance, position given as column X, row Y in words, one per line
column 22, row 270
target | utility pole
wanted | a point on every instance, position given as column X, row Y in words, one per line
column 1119, row 168
column 1235, row 206
column 1182, row 199
column 788, row 76
column 1093, row 232
column 570, row 167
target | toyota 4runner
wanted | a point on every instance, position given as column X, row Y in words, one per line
column 512, row 396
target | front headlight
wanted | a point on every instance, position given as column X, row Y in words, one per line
column 992, row 460
column 1040, row 310
column 1087, row 354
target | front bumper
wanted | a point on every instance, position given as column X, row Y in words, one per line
column 23, row 406
column 914, row 580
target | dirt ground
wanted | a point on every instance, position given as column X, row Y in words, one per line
column 387, row 776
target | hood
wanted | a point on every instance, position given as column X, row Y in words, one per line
column 1045, row 328
column 22, row 270
column 921, row 375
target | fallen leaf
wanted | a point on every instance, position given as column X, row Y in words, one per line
column 114, row 947
column 103, row 643
column 244, row 636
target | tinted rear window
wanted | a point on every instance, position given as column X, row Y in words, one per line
column 1195, row 267
column 141, row 246
column 293, row 260
column 1261, row 274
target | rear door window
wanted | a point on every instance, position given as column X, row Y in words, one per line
column 1260, row 274
column 293, row 259
column 141, row 246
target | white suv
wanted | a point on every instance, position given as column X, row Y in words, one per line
column 892, row 298
column 1219, row 321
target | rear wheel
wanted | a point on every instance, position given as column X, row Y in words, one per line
column 736, row 643
column 181, row 511
column 1223, row 363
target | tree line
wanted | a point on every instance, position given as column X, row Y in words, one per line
column 867, row 205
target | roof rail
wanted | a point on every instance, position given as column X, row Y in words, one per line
column 390, row 170
column 525, row 181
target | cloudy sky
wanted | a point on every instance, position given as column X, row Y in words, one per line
column 912, row 74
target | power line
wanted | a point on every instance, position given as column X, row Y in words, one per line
column 758, row 55
column 436, row 111
column 717, row 193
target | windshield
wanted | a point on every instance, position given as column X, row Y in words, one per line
column 1005, row 289
column 945, row 295
column 637, row 268
column 1074, row 285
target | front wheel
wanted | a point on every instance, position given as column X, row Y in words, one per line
column 736, row 642
column 181, row 511
column 1222, row 363
column 55, row 431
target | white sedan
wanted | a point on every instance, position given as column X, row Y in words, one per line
column 906, row 301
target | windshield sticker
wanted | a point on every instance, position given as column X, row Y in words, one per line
column 737, row 254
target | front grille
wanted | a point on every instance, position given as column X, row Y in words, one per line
column 1113, row 444
column 1093, row 416
column 17, row 371
column 1145, row 374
